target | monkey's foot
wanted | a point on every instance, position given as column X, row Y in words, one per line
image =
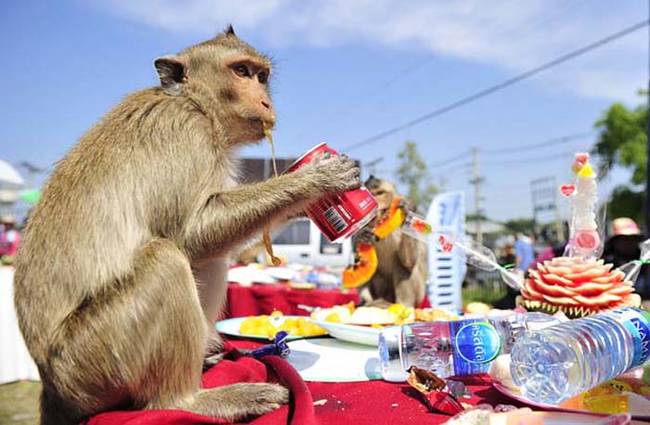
column 239, row 401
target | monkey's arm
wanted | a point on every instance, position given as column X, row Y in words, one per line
column 230, row 217
column 408, row 251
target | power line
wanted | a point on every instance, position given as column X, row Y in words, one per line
column 522, row 148
column 501, row 86
column 551, row 142
column 527, row 161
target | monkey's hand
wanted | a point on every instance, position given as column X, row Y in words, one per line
column 365, row 235
column 332, row 173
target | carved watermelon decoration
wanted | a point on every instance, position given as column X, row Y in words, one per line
column 577, row 287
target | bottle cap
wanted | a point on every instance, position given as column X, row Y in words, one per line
column 390, row 359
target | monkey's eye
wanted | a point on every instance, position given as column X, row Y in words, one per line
column 242, row 70
column 263, row 77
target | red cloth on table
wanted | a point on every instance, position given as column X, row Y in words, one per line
column 263, row 299
column 352, row 403
column 235, row 369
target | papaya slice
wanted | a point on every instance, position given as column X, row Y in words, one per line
column 363, row 269
column 392, row 220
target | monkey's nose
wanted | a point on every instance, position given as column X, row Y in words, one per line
column 266, row 105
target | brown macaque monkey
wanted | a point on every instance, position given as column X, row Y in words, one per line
column 401, row 260
column 122, row 271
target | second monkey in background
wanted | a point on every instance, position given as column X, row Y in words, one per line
column 402, row 260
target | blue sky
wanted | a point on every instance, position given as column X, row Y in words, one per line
column 346, row 70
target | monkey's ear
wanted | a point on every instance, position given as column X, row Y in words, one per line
column 172, row 72
column 229, row 30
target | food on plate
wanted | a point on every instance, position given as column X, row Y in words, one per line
column 363, row 268
column 477, row 308
column 395, row 314
column 267, row 326
column 433, row 315
column 372, row 316
column 576, row 286
column 336, row 314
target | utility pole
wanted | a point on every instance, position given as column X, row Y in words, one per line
column 476, row 181
column 647, row 164
column 544, row 195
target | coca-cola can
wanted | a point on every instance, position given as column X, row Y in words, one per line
column 341, row 215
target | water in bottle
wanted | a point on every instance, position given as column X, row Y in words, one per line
column 566, row 359
column 448, row 348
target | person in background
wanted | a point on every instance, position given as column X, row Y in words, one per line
column 509, row 257
column 524, row 252
column 9, row 239
column 552, row 250
column 623, row 247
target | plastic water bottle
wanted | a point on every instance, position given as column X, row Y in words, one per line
column 559, row 362
column 449, row 348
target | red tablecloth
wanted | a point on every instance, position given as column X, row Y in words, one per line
column 263, row 299
column 380, row 402
column 316, row 403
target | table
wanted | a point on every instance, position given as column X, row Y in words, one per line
column 16, row 362
column 263, row 299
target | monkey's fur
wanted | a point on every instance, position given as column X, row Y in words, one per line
column 401, row 260
column 122, row 270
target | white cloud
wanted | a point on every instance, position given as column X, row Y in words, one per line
column 511, row 35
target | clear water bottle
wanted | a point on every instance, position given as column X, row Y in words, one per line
column 453, row 348
column 559, row 362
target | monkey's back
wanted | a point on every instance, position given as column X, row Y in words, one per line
column 102, row 202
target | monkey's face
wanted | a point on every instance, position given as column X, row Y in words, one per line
column 227, row 70
column 384, row 192
column 246, row 96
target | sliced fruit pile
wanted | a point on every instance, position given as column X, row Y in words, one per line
column 268, row 326
column 395, row 314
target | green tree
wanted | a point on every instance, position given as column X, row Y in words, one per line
column 412, row 173
column 623, row 142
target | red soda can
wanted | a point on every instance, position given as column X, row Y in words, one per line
column 340, row 215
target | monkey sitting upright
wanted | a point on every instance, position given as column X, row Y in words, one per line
column 401, row 260
column 122, row 271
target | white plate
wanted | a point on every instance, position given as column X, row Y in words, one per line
column 248, row 275
column 331, row 360
column 281, row 273
column 231, row 327
column 351, row 333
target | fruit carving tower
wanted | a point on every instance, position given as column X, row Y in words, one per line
column 579, row 284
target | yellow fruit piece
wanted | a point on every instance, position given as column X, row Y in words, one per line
column 611, row 404
column 333, row 318
column 396, row 309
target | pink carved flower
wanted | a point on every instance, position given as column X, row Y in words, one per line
column 578, row 287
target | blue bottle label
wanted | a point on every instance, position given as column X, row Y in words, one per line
column 638, row 323
column 475, row 344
